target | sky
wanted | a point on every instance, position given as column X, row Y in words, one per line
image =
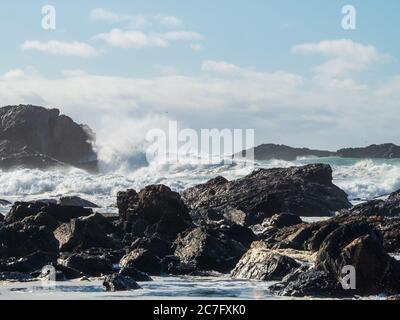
column 287, row 68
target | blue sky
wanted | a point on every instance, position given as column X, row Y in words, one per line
column 285, row 68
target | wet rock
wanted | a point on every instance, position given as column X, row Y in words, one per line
column 83, row 233
column 90, row 265
column 143, row 260
column 19, row 240
column 36, row 137
column 304, row 191
column 135, row 274
column 208, row 249
column 118, row 282
column 312, row 283
column 21, row 210
column 155, row 245
column 260, row 263
column 383, row 208
column 4, row 202
column 283, row 220
column 30, row 263
column 75, row 201
column 158, row 211
column 15, row 277
column 42, row 219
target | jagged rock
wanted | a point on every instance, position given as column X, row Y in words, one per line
column 42, row 219
column 383, row 208
column 19, row 240
column 208, row 249
column 36, row 137
column 156, row 210
column 143, row 260
column 83, row 233
column 205, row 215
column 74, row 201
column 172, row 265
column 90, row 265
column 260, row 263
column 155, row 245
column 135, row 274
column 21, row 210
column 283, row 220
column 304, row 191
column 118, row 282
column 358, row 245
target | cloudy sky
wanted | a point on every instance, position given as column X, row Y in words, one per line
column 285, row 68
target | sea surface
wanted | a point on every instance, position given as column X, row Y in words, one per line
column 361, row 179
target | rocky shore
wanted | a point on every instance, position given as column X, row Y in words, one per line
column 249, row 228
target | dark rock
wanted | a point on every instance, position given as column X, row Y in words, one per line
column 304, row 191
column 68, row 273
column 358, row 245
column 172, row 265
column 83, row 233
column 135, row 274
column 383, row 208
column 260, row 263
column 143, row 260
column 283, row 220
column 381, row 151
column 42, row 219
column 30, row 263
column 312, row 283
column 19, row 240
column 159, row 211
column 74, row 201
column 21, row 210
column 155, row 245
column 205, row 215
column 208, row 249
column 90, row 265
column 4, row 202
column 15, row 277
column 118, row 282
column 35, row 137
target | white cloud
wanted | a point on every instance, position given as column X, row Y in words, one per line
column 196, row 46
column 139, row 39
column 136, row 21
column 220, row 66
column 344, row 56
column 74, row 48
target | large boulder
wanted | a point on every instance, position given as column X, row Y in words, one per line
column 74, row 201
column 118, row 282
column 156, row 210
column 20, row 239
column 90, row 265
column 360, row 246
column 36, row 137
column 84, row 233
column 142, row 260
column 304, row 191
column 209, row 249
column 283, row 220
column 135, row 274
column 21, row 210
column 260, row 263
column 30, row 263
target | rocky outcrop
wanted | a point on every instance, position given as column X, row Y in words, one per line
column 135, row 274
column 261, row 263
column 305, row 191
column 142, row 260
column 154, row 211
column 381, row 151
column 281, row 152
column 74, row 201
column 282, row 220
column 118, row 282
column 36, row 137
column 88, row 264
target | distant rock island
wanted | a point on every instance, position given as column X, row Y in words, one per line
column 36, row 137
column 283, row 152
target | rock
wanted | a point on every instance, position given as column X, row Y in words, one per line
column 304, row 191
column 205, row 215
column 76, row 202
column 67, row 272
column 1, row 218
column 157, row 209
column 118, row 282
column 358, row 245
column 312, row 283
column 143, row 260
column 30, row 263
column 90, row 265
column 42, row 219
column 381, row 151
column 83, row 233
column 135, row 274
column 4, row 202
column 283, row 220
column 19, row 240
column 155, row 245
column 36, row 137
column 282, row 152
column 172, row 265
column 260, row 263
column 383, row 208
column 21, row 210
column 15, row 277
column 208, row 249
